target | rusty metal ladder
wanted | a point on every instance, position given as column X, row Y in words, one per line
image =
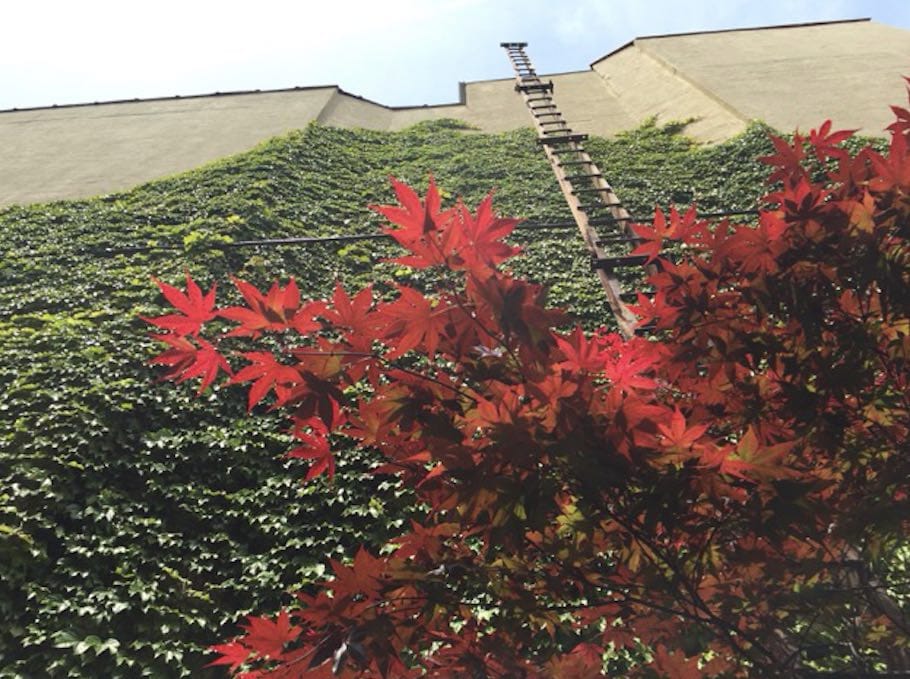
column 590, row 197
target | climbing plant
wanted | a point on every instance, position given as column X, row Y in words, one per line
column 728, row 498
column 138, row 523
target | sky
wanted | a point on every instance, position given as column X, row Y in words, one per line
column 395, row 52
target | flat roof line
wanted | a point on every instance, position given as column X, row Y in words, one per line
column 728, row 30
column 754, row 28
column 177, row 97
column 235, row 93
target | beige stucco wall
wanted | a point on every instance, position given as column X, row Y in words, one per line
column 79, row 151
column 796, row 77
column 494, row 106
column 345, row 110
column 645, row 89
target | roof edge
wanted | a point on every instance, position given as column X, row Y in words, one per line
column 462, row 96
column 727, row 30
column 178, row 97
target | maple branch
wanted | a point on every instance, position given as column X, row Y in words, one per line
column 730, row 631
column 384, row 361
column 500, row 341
column 428, row 378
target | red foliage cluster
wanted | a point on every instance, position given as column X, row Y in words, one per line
column 722, row 498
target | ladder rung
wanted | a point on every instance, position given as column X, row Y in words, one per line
column 537, row 108
column 513, row 45
column 550, row 99
column 621, row 262
column 556, row 122
column 608, row 240
column 544, row 115
column 579, row 177
column 567, row 139
column 590, row 190
column 541, row 87
column 588, row 208
column 604, row 221
column 575, row 162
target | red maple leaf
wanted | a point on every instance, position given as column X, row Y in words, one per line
column 893, row 171
column 423, row 540
column 413, row 320
column 315, row 447
column 902, row 124
column 187, row 360
column 481, row 247
column 352, row 316
column 655, row 309
column 372, row 425
column 268, row 638
column 419, row 225
column 581, row 354
column 788, row 159
column 585, row 660
column 825, row 142
column 625, row 373
column 654, row 235
column 677, row 435
column 195, row 308
column 233, row 653
column 757, row 248
column 360, row 578
column 275, row 311
column 675, row 665
column 750, row 460
column 266, row 373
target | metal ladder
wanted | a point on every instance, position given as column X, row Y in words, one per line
column 590, row 197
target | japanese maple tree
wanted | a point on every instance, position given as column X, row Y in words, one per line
column 724, row 498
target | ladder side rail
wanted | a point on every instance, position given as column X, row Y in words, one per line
column 579, row 158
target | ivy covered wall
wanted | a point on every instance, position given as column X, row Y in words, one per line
column 138, row 522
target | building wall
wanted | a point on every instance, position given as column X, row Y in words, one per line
column 796, row 77
column 494, row 106
column 645, row 89
column 80, row 151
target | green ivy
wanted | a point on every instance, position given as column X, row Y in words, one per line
column 137, row 522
